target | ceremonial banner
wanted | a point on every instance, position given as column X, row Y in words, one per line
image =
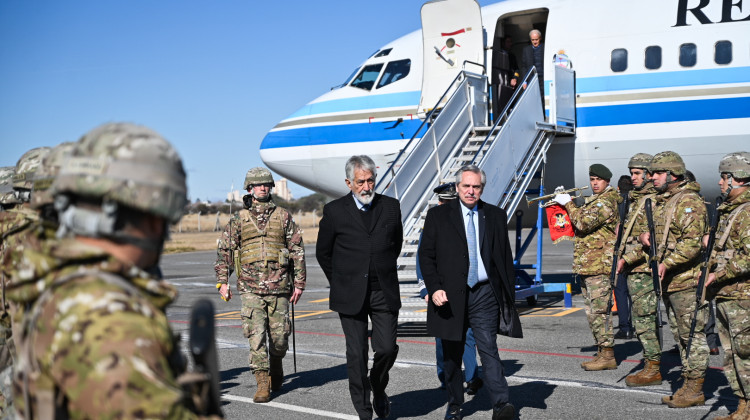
column 560, row 228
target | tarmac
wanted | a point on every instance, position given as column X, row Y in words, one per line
column 543, row 368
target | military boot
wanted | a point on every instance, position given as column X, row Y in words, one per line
column 263, row 394
column 740, row 413
column 598, row 355
column 277, row 373
column 692, row 394
column 650, row 375
column 605, row 360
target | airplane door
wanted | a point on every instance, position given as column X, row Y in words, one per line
column 451, row 34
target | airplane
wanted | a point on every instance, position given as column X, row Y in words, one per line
column 650, row 76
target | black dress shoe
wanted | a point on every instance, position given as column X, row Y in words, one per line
column 381, row 404
column 624, row 335
column 504, row 411
column 453, row 413
column 473, row 386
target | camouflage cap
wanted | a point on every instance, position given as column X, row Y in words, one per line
column 47, row 172
column 640, row 161
column 258, row 175
column 27, row 166
column 668, row 161
column 737, row 164
column 128, row 164
column 601, row 171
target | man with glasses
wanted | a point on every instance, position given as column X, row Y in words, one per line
column 264, row 246
column 533, row 56
column 358, row 244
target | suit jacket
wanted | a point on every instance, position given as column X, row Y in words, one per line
column 444, row 262
column 527, row 61
column 346, row 248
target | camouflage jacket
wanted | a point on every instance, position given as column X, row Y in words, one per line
column 14, row 226
column 680, row 249
column 91, row 346
column 594, row 224
column 633, row 252
column 730, row 260
column 269, row 277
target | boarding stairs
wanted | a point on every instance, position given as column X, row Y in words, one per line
column 511, row 152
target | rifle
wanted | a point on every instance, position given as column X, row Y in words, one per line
column 654, row 265
column 622, row 210
column 294, row 340
column 700, row 292
column 203, row 381
column 544, row 197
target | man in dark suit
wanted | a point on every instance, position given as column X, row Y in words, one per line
column 467, row 264
column 533, row 56
column 359, row 241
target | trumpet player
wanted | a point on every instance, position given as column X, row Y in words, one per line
column 594, row 224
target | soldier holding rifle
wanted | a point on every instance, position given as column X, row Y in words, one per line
column 633, row 261
column 729, row 280
column 680, row 221
column 594, row 224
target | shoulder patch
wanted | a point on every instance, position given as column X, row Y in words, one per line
column 598, row 204
column 688, row 209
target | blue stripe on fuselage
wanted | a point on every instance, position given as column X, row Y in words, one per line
column 658, row 112
column 664, row 79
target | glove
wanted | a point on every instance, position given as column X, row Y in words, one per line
column 559, row 189
column 562, row 199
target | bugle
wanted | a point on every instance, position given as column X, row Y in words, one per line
column 548, row 196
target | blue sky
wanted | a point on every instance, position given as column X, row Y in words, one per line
column 211, row 76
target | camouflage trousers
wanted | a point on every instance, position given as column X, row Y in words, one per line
column 596, row 292
column 7, row 356
column 733, row 318
column 265, row 316
column 680, row 309
column 643, row 314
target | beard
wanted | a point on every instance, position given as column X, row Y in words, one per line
column 365, row 197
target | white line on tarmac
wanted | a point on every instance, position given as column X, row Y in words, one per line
column 289, row 407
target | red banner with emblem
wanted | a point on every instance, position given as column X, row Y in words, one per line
column 560, row 228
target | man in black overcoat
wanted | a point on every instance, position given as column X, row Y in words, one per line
column 358, row 244
column 463, row 295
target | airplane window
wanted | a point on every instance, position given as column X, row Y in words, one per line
column 723, row 53
column 653, row 57
column 367, row 76
column 688, row 55
column 619, row 60
column 394, row 71
column 384, row 52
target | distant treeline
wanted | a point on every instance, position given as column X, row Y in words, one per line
column 305, row 205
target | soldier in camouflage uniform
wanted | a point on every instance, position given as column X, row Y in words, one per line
column 634, row 261
column 117, row 358
column 594, row 225
column 680, row 222
column 264, row 246
column 14, row 225
column 729, row 280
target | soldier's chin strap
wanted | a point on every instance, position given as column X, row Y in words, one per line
column 99, row 224
column 730, row 178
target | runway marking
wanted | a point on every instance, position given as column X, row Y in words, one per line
column 236, row 314
column 226, row 315
column 289, row 407
column 319, row 300
column 327, row 311
column 548, row 312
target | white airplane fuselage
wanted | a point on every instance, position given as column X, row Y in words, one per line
column 695, row 100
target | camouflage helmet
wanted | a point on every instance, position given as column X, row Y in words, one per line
column 27, row 166
column 668, row 161
column 128, row 164
column 258, row 175
column 6, row 185
column 737, row 164
column 640, row 161
column 47, row 172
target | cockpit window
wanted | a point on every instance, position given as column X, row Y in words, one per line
column 350, row 77
column 367, row 77
column 384, row 52
column 394, row 71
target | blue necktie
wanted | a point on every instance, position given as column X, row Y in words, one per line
column 471, row 239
